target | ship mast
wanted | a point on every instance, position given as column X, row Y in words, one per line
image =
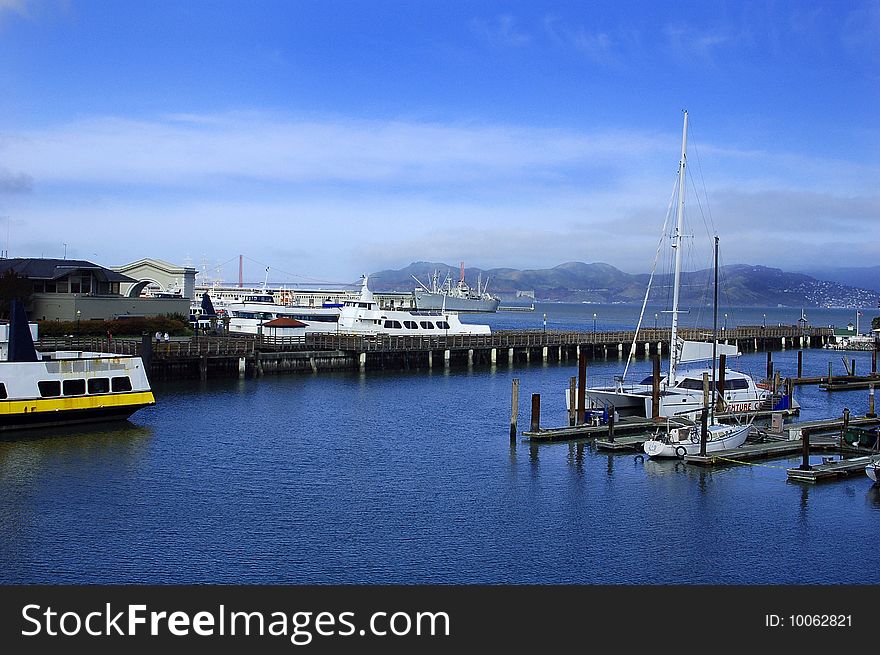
column 676, row 243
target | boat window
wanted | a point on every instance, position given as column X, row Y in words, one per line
column 427, row 325
column 3, row 395
column 121, row 384
column 690, row 383
column 736, row 383
column 442, row 325
column 99, row 385
column 49, row 388
column 74, row 387
column 649, row 381
column 410, row 325
column 392, row 324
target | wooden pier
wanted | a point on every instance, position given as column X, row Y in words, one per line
column 257, row 355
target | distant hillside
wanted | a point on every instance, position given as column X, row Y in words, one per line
column 756, row 286
column 867, row 277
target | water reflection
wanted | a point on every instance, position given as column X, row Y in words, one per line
column 873, row 495
column 25, row 455
column 576, row 456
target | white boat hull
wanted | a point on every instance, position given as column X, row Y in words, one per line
column 686, row 441
column 673, row 402
column 872, row 470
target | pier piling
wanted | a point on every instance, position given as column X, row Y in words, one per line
column 611, row 423
column 655, row 386
column 704, row 430
column 769, row 365
column 805, row 459
column 535, row 422
column 800, row 364
column 582, row 388
column 514, row 407
column 572, row 400
column 871, row 413
column 147, row 352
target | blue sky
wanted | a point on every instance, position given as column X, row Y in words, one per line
column 325, row 139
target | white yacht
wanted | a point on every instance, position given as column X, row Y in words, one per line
column 360, row 316
column 254, row 310
column 365, row 316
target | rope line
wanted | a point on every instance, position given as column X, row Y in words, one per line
column 737, row 461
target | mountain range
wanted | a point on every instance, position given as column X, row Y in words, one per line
column 739, row 285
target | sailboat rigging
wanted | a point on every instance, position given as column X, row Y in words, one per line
column 710, row 436
column 681, row 390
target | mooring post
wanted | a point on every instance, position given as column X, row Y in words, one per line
column 829, row 374
column 874, row 362
column 572, row 400
column 719, row 392
column 845, row 426
column 704, row 430
column 805, row 461
column 706, row 395
column 789, row 386
column 582, row 388
column 536, row 412
column 871, row 413
column 777, row 385
column 800, row 370
column 769, row 365
column 655, row 387
column 852, row 369
column 611, row 423
column 203, row 367
column 146, row 352
column 514, row 407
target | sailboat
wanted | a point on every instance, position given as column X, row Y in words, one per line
column 681, row 391
column 688, row 439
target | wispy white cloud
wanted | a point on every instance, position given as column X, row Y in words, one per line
column 501, row 31
column 189, row 149
column 686, row 42
column 599, row 47
column 332, row 198
column 20, row 7
column 15, row 182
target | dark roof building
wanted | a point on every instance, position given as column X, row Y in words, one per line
column 74, row 289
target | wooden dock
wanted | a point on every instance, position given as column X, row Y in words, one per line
column 255, row 355
column 622, row 426
column 751, row 451
column 830, row 469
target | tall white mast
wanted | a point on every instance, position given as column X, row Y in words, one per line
column 676, row 243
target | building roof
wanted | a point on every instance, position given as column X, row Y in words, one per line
column 53, row 269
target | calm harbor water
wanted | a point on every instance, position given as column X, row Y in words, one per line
column 410, row 477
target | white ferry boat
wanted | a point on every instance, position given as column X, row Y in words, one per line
column 39, row 390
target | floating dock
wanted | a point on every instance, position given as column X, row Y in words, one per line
column 830, row 469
